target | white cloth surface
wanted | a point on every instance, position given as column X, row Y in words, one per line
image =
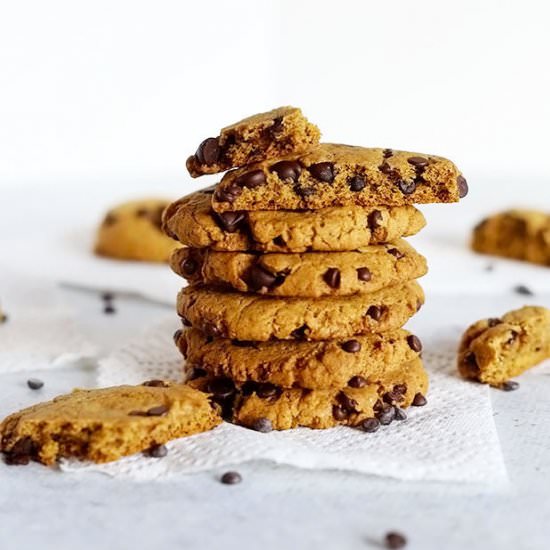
column 452, row 439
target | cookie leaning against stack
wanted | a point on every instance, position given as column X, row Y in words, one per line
column 300, row 280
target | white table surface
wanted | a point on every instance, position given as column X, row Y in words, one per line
column 278, row 507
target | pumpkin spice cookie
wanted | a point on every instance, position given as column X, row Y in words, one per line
column 313, row 365
column 263, row 136
column 105, row 424
column 311, row 274
column 340, row 175
column 192, row 221
column 266, row 406
column 132, row 231
column 239, row 316
column 494, row 350
column 516, row 234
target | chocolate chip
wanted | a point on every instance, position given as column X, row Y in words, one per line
column 231, row 478
column 260, row 278
column 303, row 192
column 20, row 454
column 287, row 169
column 346, row 402
column 419, row 400
column 277, row 127
column 363, row 274
column 159, row 410
column 109, row 309
column 230, row 221
column 462, row 186
column 262, row 425
column 352, row 346
column 400, row 389
column 323, row 171
column 339, row 413
column 395, row 540
column 157, row 451
column 418, row 162
column 186, row 322
column 107, row 296
column 513, row 337
column 35, row 383
column 396, row 253
column 509, row 385
column 251, row 179
column 374, row 219
column 177, row 335
column 212, row 330
column 357, row 183
column 299, row 333
column 414, row 343
column 189, row 266
column 407, row 187
column 493, row 322
column 332, row 277
column 266, row 390
column 208, row 151
column 357, row 382
column 393, row 397
column 110, row 219
column 221, row 388
column 279, row 241
column 195, row 373
column 387, row 415
column 400, row 414
column 141, row 212
column 229, row 194
column 471, row 361
column 155, row 384
column 385, row 168
column 370, row 425
column 243, row 343
column 375, row 312
column 387, row 153
column 523, row 290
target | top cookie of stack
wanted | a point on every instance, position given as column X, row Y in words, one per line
column 300, row 279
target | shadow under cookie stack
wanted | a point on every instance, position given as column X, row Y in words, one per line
column 300, row 280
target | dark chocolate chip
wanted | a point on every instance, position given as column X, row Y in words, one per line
column 109, row 309
column 346, row 402
column 155, row 384
column 332, row 277
column 260, row 278
column 266, row 390
column 208, row 151
column 357, row 183
column 221, row 388
column 300, row 332
column 277, row 127
column 407, row 187
column 419, row 400
column 523, row 290
column 323, row 171
column 157, row 451
column 231, row 478
column 177, row 335
column 24, row 446
column 159, row 410
column 374, row 219
column 339, row 413
column 287, row 169
column 375, row 312
column 414, row 343
column 396, row 253
column 212, row 330
column 385, row 168
column 189, row 266
column 263, row 425
column 230, row 221
column 107, row 296
column 395, row 541
column 393, row 397
column 352, row 346
column 35, row 383
column 228, row 194
column 418, row 162
column 509, row 385
column 387, row 153
column 471, row 361
column 279, row 241
column 400, row 414
column 363, row 274
column 251, row 179
column 462, row 186
column 400, row 389
column 303, row 192
column 513, row 337
column 195, row 373
column 493, row 322
column 387, row 415
column 185, row 322
column 370, row 425
column 357, row 382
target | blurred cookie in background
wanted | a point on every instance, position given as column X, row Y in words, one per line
column 132, row 231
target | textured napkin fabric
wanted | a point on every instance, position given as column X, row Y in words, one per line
column 452, row 439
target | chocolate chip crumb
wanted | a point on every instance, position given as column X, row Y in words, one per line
column 35, row 383
column 509, row 385
column 231, row 478
column 262, row 425
column 395, row 540
column 523, row 290
column 157, row 451
column 419, row 400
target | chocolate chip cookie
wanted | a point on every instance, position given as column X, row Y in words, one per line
column 311, row 365
column 192, row 221
column 311, row 274
column 105, row 424
column 517, row 234
column 494, row 350
column 267, row 406
column 132, row 231
column 239, row 316
column 340, row 175
column 260, row 137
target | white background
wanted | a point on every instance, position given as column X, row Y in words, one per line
column 92, row 93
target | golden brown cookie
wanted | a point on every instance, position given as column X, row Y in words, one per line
column 105, row 424
column 313, row 365
column 260, row 318
column 192, row 221
column 282, row 131
column 517, row 234
column 266, row 406
column 311, row 274
column 132, row 231
column 340, row 175
column 494, row 350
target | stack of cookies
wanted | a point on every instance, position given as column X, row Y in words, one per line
column 300, row 280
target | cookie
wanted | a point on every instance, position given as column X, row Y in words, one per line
column 494, row 350
column 516, row 234
column 192, row 221
column 102, row 425
column 132, row 231
column 239, row 316
column 264, row 136
column 266, row 406
column 340, row 175
column 312, row 365
column 311, row 274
